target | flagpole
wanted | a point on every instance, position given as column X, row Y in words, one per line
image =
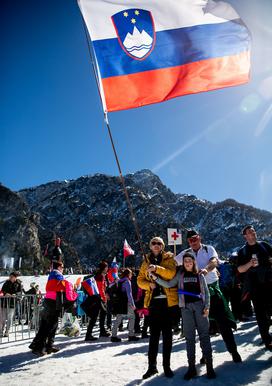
column 175, row 249
column 135, row 223
column 113, row 147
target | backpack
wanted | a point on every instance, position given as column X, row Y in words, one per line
column 118, row 299
column 227, row 276
column 114, row 292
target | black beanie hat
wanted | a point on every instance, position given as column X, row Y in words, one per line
column 191, row 233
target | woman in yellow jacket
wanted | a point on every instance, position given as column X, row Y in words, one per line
column 159, row 301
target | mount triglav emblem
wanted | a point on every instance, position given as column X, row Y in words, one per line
column 135, row 31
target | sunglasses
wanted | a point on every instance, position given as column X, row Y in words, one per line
column 194, row 238
column 156, row 243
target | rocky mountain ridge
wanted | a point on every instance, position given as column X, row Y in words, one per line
column 91, row 216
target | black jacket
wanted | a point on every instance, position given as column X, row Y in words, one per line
column 12, row 289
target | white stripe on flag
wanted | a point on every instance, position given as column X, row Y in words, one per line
column 167, row 14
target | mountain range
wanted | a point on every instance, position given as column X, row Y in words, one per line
column 91, row 216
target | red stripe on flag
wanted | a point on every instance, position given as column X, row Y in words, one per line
column 55, row 285
column 135, row 90
column 127, row 249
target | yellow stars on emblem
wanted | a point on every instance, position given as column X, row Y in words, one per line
column 133, row 20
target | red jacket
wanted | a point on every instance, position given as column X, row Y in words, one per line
column 101, row 284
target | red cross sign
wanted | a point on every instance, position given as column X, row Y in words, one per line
column 174, row 236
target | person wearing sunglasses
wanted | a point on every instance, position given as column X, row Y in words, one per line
column 207, row 261
column 159, row 301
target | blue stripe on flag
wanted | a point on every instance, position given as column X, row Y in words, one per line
column 55, row 275
column 175, row 47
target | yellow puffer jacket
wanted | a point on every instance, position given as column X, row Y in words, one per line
column 166, row 270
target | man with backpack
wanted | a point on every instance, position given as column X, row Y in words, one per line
column 207, row 261
column 124, row 305
column 254, row 263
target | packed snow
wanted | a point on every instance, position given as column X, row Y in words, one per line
column 123, row 364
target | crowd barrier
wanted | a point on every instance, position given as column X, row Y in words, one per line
column 20, row 317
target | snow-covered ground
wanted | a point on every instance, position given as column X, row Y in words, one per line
column 123, row 364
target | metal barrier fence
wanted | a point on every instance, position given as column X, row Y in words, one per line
column 19, row 317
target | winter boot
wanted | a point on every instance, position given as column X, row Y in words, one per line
column 150, row 372
column 168, row 372
column 39, row 353
column 32, row 345
column 210, row 371
column 52, row 349
column 191, row 373
column 236, row 357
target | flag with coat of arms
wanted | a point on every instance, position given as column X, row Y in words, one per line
column 149, row 51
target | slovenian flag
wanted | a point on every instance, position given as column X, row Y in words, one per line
column 90, row 286
column 55, row 282
column 149, row 51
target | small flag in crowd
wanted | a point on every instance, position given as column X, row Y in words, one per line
column 90, row 286
column 113, row 271
column 174, row 236
column 127, row 249
column 149, row 51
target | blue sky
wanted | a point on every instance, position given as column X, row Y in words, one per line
column 214, row 145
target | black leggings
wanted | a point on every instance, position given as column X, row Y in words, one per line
column 98, row 310
column 160, row 322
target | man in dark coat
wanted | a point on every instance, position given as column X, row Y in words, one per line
column 11, row 288
column 254, row 263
